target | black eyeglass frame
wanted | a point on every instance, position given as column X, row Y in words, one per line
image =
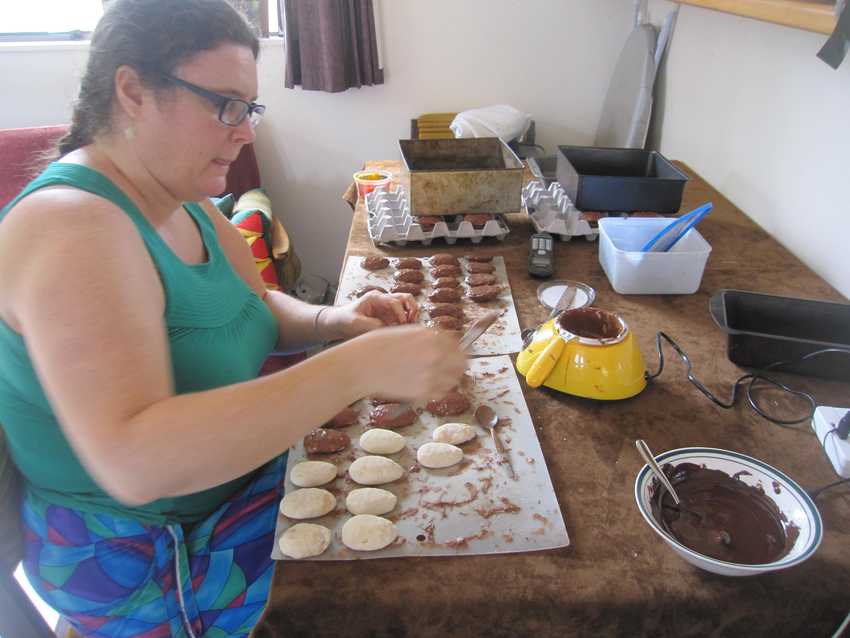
column 221, row 101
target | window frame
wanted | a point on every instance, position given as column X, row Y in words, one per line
column 266, row 29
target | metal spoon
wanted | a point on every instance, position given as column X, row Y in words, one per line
column 488, row 419
column 649, row 457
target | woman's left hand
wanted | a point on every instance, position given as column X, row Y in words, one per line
column 373, row 310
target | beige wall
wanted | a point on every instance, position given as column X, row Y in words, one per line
column 551, row 59
column 749, row 106
column 745, row 103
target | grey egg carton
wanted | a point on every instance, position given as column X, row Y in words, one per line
column 390, row 222
column 552, row 211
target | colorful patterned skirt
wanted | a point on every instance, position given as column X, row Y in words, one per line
column 114, row 577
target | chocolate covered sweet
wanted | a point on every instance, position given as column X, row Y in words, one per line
column 446, row 282
column 445, row 270
column 323, row 441
column 409, row 276
column 481, row 279
column 403, row 286
column 481, row 294
column 428, row 222
column 443, row 310
column 444, row 259
column 478, row 267
column 344, row 419
column 406, row 263
column 445, row 295
column 362, row 291
column 375, row 262
column 445, row 323
column 477, row 219
column 452, row 404
column 390, row 417
column 483, row 259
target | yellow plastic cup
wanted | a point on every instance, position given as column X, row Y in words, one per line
column 369, row 180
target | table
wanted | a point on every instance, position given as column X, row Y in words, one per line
column 617, row 577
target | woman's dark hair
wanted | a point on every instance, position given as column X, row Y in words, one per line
column 152, row 37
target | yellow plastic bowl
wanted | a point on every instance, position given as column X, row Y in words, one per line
column 606, row 369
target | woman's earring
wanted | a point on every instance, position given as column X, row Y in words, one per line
column 130, row 133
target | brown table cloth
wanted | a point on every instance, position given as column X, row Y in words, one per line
column 617, row 577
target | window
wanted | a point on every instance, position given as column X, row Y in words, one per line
column 50, row 19
column 34, row 20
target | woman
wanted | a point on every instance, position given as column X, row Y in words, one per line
column 132, row 331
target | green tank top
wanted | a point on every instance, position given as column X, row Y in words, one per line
column 219, row 333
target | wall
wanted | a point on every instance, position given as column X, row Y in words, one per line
column 550, row 59
column 748, row 106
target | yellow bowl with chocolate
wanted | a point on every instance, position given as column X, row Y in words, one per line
column 586, row 352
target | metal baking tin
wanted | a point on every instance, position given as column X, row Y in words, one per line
column 466, row 175
column 764, row 329
column 620, row 179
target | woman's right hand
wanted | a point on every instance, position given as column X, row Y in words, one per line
column 411, row 362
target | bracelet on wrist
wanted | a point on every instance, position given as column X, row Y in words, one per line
column 316, row 322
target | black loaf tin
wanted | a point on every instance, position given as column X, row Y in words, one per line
column 620, row 180
column 764, row 329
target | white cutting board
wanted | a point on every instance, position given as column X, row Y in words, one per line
column 503, row 337
column 490, row 514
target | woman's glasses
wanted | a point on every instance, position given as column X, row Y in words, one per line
column 231, row 111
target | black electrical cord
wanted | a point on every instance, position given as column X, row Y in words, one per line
column 751, row 379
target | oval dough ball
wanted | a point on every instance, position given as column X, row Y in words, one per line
column 309, row 502
column 381, row 441
column 375, row 470
column 312, row 473
column 304, row 540
column 370, row 500
column 368, row 533
column 439, row 455
column 453, row 433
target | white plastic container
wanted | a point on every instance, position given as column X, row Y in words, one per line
column 633, row 272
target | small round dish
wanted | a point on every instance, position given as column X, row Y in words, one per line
column 549, row 292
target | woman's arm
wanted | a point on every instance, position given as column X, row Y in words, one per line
column 89, row 303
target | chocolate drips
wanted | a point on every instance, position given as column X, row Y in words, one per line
column 721, row 516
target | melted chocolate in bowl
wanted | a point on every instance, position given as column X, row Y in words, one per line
column 721, row 516
column 591, row 323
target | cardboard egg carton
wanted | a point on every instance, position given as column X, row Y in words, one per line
column 552, row 212
column 390, row 222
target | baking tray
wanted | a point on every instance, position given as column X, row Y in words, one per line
column 467, row 175
column 620, row 179
column 503, row 337
column 764, row 329
column 471, row 508
column 389, row 222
